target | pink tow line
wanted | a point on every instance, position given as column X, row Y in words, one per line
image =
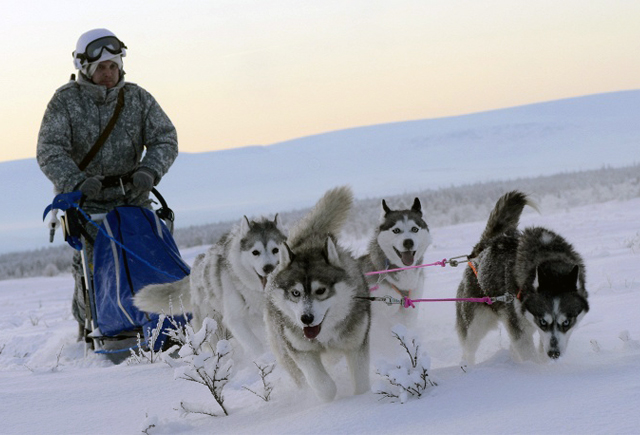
column 442, row 263
column 409, row 302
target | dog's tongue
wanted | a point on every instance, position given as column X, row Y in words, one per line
column 263, row 280
column 407, row 257
column 312, row 332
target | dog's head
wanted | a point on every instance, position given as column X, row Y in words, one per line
column 403, row 235
column 312, row 287
column 260, row 246
column 555, row 303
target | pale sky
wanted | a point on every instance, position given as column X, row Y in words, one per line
column 233, row 73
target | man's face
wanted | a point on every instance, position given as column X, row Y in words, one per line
column 107, row 74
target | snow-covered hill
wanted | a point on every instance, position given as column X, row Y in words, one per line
column 48, row 386
column 540, row 139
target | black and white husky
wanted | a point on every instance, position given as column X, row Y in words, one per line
column 400, row 240
column 226, row 283
column 314, row 301
column 539, row 268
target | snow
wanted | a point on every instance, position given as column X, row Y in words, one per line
column 47, row 385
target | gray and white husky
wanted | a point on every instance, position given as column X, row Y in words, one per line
column 226, row 283
column 539, row 268
column 399, row 241
column 313, row 301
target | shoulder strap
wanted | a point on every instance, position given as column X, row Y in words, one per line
column 105, row 133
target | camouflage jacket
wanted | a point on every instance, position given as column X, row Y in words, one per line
column 74, row 119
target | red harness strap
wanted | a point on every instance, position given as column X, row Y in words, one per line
column 473, row 267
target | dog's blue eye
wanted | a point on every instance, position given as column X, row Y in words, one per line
column 566, row 323
column 295, row 293
column 542, row 322
column 415, row 229
column 255, row 252
column 396, row 231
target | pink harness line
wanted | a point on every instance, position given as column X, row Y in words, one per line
column 409, row 302
column 442, row 263
column 406, row 302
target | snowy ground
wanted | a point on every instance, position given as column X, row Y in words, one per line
column 48, row 386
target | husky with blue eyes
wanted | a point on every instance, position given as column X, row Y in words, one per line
column 540, row 272
column 317, row 301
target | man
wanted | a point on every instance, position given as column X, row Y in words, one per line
column 135, row 154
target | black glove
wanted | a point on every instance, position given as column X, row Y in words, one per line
column 91, row 187
column 143, row 179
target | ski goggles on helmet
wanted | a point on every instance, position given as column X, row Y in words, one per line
column 94, row 49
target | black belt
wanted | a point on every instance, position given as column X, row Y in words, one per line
column 116, row 180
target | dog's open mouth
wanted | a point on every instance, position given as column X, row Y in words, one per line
column 311, row 332
column 263, row 280
column 406, row 256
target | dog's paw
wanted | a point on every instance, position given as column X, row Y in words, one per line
column 326, row 391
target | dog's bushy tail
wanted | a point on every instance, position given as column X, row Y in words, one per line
column 506, row 214
column 169, row 298
column 327, row 217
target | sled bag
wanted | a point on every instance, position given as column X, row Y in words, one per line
column 149, row 256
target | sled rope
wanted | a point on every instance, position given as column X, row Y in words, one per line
column 95, row 224
column 453, row 262
column 406, row 302
column 399, row 269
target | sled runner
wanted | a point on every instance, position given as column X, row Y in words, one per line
column 134, row 247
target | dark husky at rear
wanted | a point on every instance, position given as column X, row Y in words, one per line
column 539, row 268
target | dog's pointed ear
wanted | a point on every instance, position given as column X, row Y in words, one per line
column 542, row 279
column 333, row 257
column 286, row 256
column 574, row 275
column 245, row 225
column 385, row 208
column 416, row 206
column 278, row 224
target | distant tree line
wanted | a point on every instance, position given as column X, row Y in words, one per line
column 442, row 207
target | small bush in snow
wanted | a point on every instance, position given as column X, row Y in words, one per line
column 141, row 356
column 265, row 368
column 629, row 344
column 199, row 362
column 409, row 376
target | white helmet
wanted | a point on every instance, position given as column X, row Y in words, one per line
column 95, row 46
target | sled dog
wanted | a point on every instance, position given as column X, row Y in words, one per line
column 312, row 306
column 399, row 241
column 540, row 270
column 226, row 283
